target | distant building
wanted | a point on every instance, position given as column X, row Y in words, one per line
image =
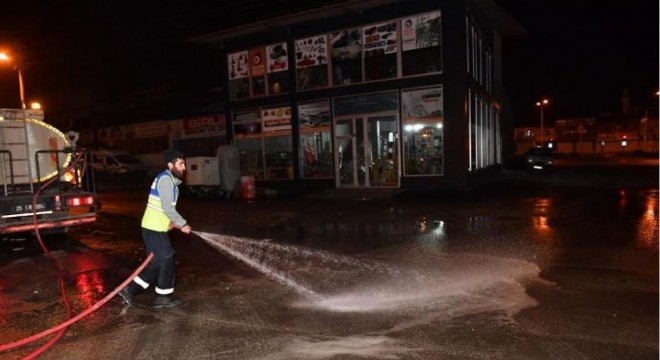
column 635, row 129
column 594, row 136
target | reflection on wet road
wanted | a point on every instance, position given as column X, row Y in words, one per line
column 548, row 273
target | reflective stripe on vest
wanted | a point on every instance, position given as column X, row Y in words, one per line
column 154, row 217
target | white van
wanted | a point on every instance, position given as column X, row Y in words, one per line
column 112, row 161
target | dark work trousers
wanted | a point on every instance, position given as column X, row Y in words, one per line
column 161, row 269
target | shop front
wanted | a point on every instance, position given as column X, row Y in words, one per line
column 366, row 140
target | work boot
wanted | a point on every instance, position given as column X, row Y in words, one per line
column 128, row 297
column 165, row 301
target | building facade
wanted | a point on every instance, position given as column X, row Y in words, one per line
column 366, row 94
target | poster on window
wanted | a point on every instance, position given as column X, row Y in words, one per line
column 314, row 117
column 257, row 62
column 277, row 121
column 238, row 65
column 346, row 45
column 247, row 124
column 277, row 58
column 311, row 52
column 423, row 105
column 379, row 39
column 420, row 31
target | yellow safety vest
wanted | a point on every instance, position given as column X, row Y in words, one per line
column 154, row 217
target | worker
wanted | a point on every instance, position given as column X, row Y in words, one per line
column 161, row 216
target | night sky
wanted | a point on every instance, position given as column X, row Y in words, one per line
column 579, row 54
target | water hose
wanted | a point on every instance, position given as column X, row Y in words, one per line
column 62, row 327
column 74, row 319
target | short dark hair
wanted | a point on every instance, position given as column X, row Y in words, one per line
column 170, row 155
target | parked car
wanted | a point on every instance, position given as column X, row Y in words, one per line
column 539, row 158
column 112, row 161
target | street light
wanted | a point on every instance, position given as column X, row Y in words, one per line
column 6, row 58
column 542, row 103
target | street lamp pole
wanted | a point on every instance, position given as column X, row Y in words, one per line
column 21, row 87
column 542, row 104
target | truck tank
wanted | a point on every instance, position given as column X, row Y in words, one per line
column 27, row 147
column 44, row 179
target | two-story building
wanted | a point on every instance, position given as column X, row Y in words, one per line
column 364, row 94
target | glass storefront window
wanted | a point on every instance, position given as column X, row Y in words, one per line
column 239, row 82
column 278, row 143
column 346, row 54
column 380, row 49
column 421, row 44
column 422, row 131
column 251, row 157
column 312, row 63
column 368, row 53
column 279, row 157
column 278, row 68
column 248, row 139
column 315, row 140
column 257, row 58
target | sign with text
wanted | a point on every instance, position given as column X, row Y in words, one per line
column 247, row 124
column 277, row 121
column 203, row 126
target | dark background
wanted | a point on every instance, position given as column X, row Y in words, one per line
column 89, row 56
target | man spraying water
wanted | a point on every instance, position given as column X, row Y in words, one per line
column 160, row 216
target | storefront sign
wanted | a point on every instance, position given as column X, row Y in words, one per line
column 247, row 124
column 423, row 105
column 149, row 129
column 202, row 126
column 277, row 121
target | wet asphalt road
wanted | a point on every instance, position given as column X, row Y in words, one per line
column 560, row 265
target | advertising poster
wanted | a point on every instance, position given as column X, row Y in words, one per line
column 423, row 105
column 380, row 39
column 277, row 121
column 311, row 52
column 257, row 62
column 247, row 124
column 238, row 65
column 277, row 58
column 420, row 31
column 314, row 117
column 346, row 45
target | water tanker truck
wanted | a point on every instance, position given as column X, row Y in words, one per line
column 45, row 183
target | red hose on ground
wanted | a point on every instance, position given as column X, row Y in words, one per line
column 88, row 311
column 62, row 327
column 56, row 263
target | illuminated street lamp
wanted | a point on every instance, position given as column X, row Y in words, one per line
column 6, row 58
column 542, row 104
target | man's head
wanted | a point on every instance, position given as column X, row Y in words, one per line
column 175, row 162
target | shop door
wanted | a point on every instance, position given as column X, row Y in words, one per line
column 367, row 151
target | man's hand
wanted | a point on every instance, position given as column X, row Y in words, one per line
column 186, row 229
